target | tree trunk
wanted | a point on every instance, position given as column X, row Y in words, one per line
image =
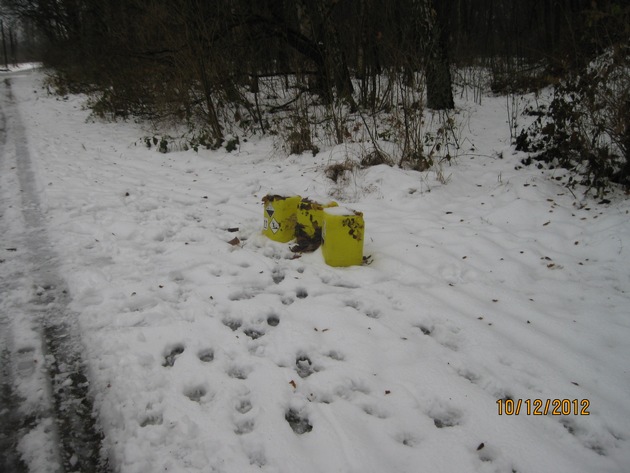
column 439, row 83
column 4, row 46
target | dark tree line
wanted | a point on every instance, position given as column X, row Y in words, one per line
column 191, row 57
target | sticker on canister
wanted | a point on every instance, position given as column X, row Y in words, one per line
column 280, row 216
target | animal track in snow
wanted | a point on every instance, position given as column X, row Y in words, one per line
column 486, row 453
column 335, row 355
column 357, row 305
column 277, row 275
column 374, row 410
column 350, row 388
column 425, row 329
column 257, row 457
column 244, row 426
column 253, row 333
column 300, row 424
column 243, row 406
column 206, row 355
column 195, row 393
column 448, row 337
column 273, row 320
column 445, row 417
column 407, row 439
column 172, row 353
column 588, row 439
column 304, row 366
column 233, row 324
column 238, row 372
column 301, row 293
column 353, row 303
column 469, row 375
column 151, row 419
column 373, row 313
column 243, row 295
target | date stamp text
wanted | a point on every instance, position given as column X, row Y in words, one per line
column 543, row 407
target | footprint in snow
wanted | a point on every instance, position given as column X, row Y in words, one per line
column 244, row 426
column 425, row 329
column 206, row 355
column 373, row 313
column 242, row 295
column 243, row 406
column 448, row 337
column 469, row 375
column 486, row 453
column 375, row 410
column 233, row 324
column 445, row 417
column 589, row 439
column 299, row 423
column 407, row 439
column 253, row 333
column 196, row 393
column 256, row 457
column 335, row 355
column 304, row 366
column 354, row 304
column 151, row 419
column 171, row 354
column 277, row 275
column 273, row 320
column 238, row 372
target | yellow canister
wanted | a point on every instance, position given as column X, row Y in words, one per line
column 342, row 235
column 280, row 217
column 310, row 218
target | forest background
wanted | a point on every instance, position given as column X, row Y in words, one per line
column 317, row 72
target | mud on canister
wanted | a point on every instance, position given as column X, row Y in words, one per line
column 310, row 219
column 280, row 217
column 342, row 236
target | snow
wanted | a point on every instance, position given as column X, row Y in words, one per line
column 339, row 211
column 496, row 284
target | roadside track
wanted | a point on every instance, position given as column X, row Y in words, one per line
column 28, row 264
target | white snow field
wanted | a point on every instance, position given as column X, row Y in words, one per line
column 486, row 294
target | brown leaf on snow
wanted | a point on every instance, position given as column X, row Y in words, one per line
column 234, row 241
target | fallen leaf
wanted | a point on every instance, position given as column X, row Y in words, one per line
column 234, row 241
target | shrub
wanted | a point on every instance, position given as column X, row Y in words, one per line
column 586, row 127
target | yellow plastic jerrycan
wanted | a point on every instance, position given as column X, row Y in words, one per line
column 310, row 219
column 280, row 217
column 342, row 236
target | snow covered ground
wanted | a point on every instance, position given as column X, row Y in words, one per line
column 492, row 291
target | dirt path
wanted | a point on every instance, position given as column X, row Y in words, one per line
column 37, row 324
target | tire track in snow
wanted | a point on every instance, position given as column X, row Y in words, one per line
column 78, row 436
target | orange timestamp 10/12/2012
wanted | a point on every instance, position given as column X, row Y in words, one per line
column 543, row 407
